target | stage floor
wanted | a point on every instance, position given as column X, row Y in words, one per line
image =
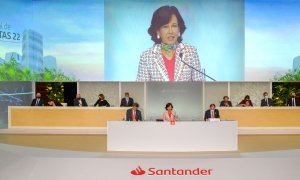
column 78, row 157
column 97, row 143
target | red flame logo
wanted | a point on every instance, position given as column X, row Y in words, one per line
column 138, row 171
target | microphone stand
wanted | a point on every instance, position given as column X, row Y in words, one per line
column 180, row 55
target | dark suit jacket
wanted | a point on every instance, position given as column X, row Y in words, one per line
column 41, row 102
column 207, row 114
column 264, row 103
column 138, row 115
column 223, row 103
column 124, row 103
column 289, row 102
column 76, row 102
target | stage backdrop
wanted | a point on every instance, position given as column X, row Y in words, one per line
column 52, row 40
column 102, row 40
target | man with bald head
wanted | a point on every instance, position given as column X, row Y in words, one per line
column 38, row 101
column 79, row 101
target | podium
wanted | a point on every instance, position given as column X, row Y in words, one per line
column 184, row 136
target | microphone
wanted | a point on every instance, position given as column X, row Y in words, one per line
column 180, row 55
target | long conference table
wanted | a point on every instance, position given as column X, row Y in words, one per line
column 63, row 117
column 97, row 117
column 262, row 116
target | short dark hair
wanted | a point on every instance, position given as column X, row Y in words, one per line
column 168, row 105
column 135, row 104
column 265, row 93
column 102, row 96
column 163, row 16
column 212, row 105
column 225, row 97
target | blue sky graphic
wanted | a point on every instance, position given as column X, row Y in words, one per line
column 57, row 20
column 272, row 37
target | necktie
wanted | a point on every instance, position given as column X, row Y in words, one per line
column 212, row 114
column 37, row 101
column 133, row 116
column 267, row 101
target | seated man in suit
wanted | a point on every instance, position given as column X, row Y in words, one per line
column 133, row 114
column 266, row 101
column 211, row 113
column 38, row 101
column 126, row 101
column 79, row 101
column 293, row 101
column 225, row 102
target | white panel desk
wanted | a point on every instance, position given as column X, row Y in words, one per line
column 190, row 136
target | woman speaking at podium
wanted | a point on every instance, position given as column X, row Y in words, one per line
column 169, row 59
column 169, row 115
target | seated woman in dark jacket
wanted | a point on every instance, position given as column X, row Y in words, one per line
column 101, row 101
column 225, row 102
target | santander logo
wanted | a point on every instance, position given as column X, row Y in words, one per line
column 172, row 172
column 138, row 171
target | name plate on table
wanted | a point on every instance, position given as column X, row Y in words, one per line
column 214, row 119
column 191, row 136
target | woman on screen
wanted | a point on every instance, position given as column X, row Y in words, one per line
column 169, row 59
column 169, row 115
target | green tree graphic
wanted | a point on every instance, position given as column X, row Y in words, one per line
column 13, row 71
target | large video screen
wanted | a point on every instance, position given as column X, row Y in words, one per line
column 129, row 40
